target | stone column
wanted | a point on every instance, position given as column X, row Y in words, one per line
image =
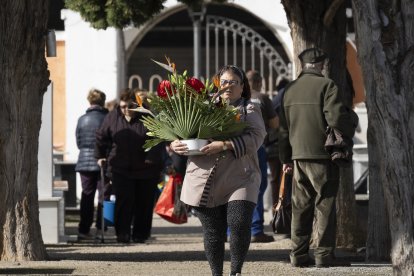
column 197, row 16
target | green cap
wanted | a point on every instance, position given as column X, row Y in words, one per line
column 312, row 55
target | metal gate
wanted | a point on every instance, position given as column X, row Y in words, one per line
column 228, row 41
column 269, row 63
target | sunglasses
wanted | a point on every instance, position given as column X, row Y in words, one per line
column 125, row 106
column 224, row 82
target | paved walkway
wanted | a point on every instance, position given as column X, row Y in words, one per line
column 174, row 250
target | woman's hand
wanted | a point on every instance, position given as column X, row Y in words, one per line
column 101, row 162
column 178, row 147
column 213, row 148
column 288, row 168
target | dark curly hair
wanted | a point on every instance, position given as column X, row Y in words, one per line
column 240, row 73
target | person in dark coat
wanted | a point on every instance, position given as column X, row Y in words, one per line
column 134, row 172
column 272, row 149
column 310, row 104
column 86, row 166
column 270, row 120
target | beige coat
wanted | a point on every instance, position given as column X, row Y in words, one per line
column 237, row 173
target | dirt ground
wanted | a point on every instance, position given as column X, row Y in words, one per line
column 173, row 250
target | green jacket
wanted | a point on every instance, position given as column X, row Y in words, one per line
column 310, row 104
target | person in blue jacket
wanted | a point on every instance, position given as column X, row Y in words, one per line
column 86, row 166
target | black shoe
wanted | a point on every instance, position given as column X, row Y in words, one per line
column 308, row 263
column 87, row 236
column 123, row 238
column 139, row 240
column 262, row 238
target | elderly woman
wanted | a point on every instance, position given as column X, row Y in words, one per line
column 88, row 123
column 222, row 185
column 134, row 172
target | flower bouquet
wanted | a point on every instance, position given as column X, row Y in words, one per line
column 186, row 108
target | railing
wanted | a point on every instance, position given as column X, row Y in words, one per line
column 237, row 31
column 246, row 44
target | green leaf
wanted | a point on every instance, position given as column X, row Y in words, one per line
column 118, row 14
column 190, row 114
column 149, row 143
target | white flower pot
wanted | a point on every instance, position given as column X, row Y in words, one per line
column 194, row 146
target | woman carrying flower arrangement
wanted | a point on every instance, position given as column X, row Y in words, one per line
column 134, row 172
column 222, row 184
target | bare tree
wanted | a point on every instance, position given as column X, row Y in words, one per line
column 323, row 24
column 378, row 243
column 23, row 81
column 385, row 42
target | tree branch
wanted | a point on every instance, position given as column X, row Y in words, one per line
column 331, row 12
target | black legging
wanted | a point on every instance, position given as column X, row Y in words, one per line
column 237, row 215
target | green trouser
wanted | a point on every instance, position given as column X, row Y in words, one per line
column 315, row 187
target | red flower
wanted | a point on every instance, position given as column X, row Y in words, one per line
column 164, row 86
column 196, row 84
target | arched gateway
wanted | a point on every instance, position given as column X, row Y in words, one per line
column 229, row 35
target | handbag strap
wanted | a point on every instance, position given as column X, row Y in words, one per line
column 276, row 207
column 282, row 187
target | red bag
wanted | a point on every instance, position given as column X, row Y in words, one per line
column 169, row 206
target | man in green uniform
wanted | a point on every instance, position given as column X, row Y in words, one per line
column 310, row 104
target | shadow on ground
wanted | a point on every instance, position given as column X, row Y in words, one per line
column 160, row 256
column 156, row 230
column 36, row 271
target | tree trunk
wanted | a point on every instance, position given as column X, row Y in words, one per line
column 121, row 61
column 378, row 245
column 23, row 80
column 385, row 42
column 348, row 235
column 323, row 24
